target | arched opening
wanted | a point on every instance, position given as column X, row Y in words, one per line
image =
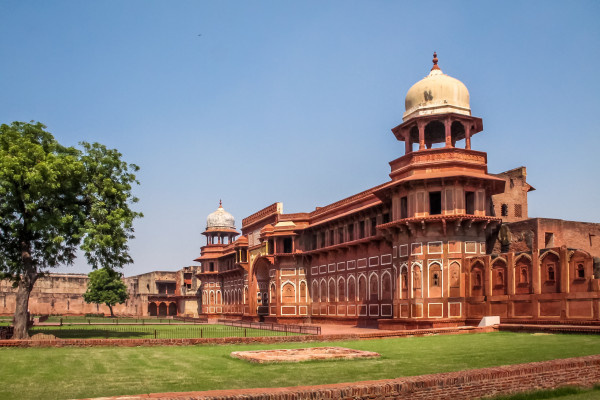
column 477, row 279
column 457, row 132
column 331, row 291
column 386, row 287
column 499, row 286
column 580, row 271
column 173, row 309
column 341, row 289
column 288, row 293
column 414, row 136
column 373, row 287
column 454, row 273
column 303, row 294
column 416, row 272
column 435, row 280
column 162, row 310
column 261, row 274
column 323, row 297
column 152, row 310
column 523, row 275
column 351, row 289
column 315, row 291
column 435, row 133
column 404, row 283
column 362, row 288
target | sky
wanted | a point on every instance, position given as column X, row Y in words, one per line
column 256, row 102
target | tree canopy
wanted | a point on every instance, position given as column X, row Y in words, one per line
column 55, row 199
column 106, row 287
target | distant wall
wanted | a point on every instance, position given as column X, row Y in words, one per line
column 540, row 233
column 61, row 294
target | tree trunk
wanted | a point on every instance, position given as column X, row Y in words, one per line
column 25, row 285
column 112, row 315
column 22, row 307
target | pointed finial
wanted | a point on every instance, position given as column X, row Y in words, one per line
column 435, row 61
column 220, row 204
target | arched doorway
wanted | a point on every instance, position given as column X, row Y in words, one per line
column 152, row 309
column 162, row 310
column 173, row 309
column 261, row 274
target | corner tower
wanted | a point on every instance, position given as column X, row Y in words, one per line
column 441, row 203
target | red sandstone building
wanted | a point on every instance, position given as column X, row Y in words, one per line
column 443, row 242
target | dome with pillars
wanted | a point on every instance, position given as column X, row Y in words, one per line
column 437, row 93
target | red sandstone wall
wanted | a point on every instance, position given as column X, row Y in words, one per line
column 530, row 235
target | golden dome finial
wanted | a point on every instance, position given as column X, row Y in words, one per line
column 435, row 61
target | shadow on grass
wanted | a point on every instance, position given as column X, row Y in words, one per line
column 553, row 394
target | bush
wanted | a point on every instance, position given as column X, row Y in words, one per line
column 92, row 315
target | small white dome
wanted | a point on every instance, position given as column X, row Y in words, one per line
column 437, row 93
column 220, row 219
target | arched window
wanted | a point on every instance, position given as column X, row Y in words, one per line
column 580, row 271
column 551, row 273
column 524, row 276
column 435, row 279
column 323, row 291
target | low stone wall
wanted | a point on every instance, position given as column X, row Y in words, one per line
column 461, row 385
column 232, row 340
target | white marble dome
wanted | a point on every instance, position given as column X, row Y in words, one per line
column 437, row 93
column 220, row 219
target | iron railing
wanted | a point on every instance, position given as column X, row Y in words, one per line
column 300, row 329
column 156, row 332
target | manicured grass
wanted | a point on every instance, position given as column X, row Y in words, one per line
column 60, row 373
column 159, row 331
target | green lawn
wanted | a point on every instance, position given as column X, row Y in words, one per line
column 61, row 373
column 160, row 331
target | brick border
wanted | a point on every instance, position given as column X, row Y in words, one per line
column 460, row 385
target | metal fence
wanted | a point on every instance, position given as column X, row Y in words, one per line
column 156, row 332
column 190, row 320
column 287, row 328
column 107, row 320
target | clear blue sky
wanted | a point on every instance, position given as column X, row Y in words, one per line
column 294, row 101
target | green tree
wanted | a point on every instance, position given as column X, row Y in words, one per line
column 56, row 199
column 106, row 287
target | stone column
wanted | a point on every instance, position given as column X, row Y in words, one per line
column 448, row 131
column 468, row 137
column 421, row 126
